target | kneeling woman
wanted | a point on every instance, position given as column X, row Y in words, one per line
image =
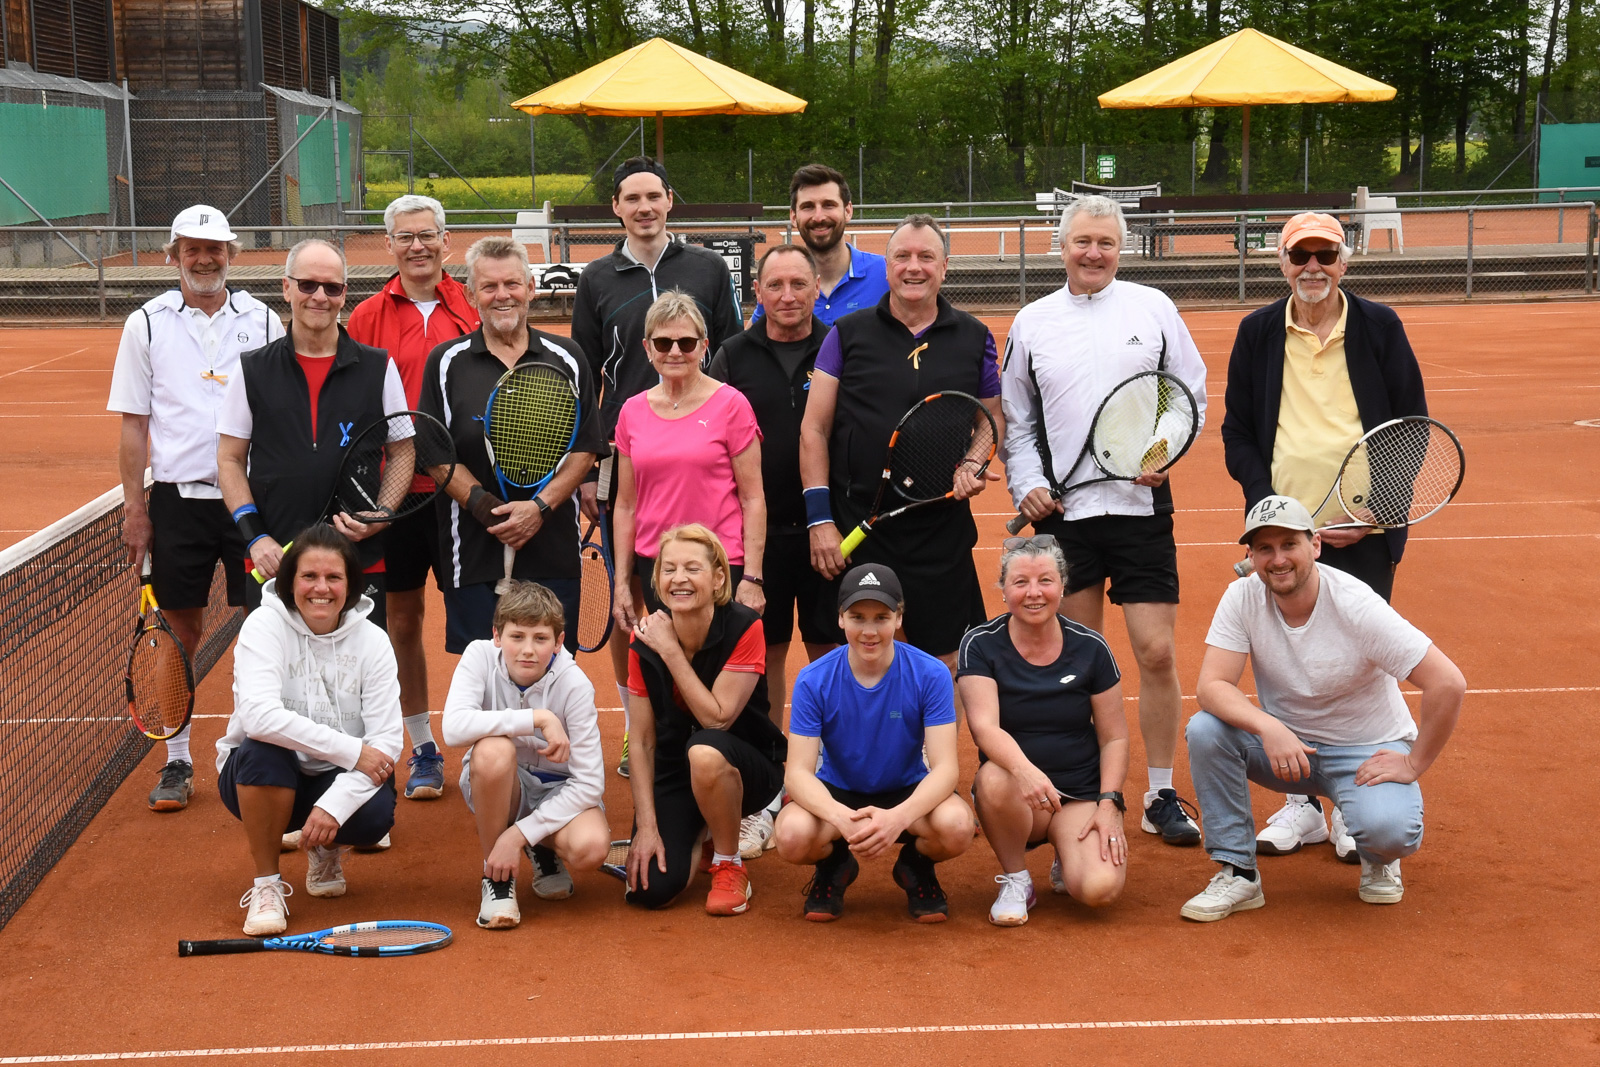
column 704, row 754
column 1044, row 702
column 316, row 725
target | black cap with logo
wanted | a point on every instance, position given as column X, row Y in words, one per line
column 871, row 581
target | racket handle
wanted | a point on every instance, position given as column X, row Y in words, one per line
column 853, row 541
column 1244, row 568
column 260, row 578
column 1015, row 526
column 503, row 586
column 226, row 947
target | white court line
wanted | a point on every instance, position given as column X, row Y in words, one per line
column 43, row 363
column 1413, row 540
column 840, row 1031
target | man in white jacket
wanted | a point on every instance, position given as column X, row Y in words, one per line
column 1064, row 354
column 534, row 777
column 315, row 731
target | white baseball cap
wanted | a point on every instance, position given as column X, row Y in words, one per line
column 202, row 222
column 1284, row 512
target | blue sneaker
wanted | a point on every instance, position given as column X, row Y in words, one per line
column 427, row 773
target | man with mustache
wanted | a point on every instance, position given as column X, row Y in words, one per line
column 1308, row 376
column 848, row 279
column 176, row 357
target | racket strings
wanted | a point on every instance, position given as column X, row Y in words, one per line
column 1142, row 427
column 160, row 679
column 1401, row 474
column 387, row 936
column 594, row 604
column 531, row 418
column 936, row 439
column 395, row 466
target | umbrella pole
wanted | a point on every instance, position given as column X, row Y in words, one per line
column 661, row 138
column 1244, row 154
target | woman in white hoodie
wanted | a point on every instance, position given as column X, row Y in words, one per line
column 315, row 730
column 534, row 777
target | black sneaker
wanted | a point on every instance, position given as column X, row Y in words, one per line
column 925, row 898
column 1165, row 815
column 176, row 786
column 825, row 891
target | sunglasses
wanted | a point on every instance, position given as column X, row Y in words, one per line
column 1301, row 256
column 1010, row 544
column 685, row 344
column 334, row 289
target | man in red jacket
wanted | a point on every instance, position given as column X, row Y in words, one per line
column 419, row 308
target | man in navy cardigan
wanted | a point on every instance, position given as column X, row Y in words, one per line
column 1308, row 376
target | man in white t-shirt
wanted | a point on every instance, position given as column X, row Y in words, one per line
column 1326, row 653
column 177, row 355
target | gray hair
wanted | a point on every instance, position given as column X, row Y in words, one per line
column 1030, row 548
column 1096, row 207
column 672, row 306
column 496, row 247
column 294, row 254
column 170, row 249
column 405, row 205
column 919, row 222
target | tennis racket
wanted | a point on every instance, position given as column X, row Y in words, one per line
column 394, row 468
column 616, row 863
column 594, row 603
column 1398, row 474
column 260, row 578
column 938, row 436
column 405, row 937
column 529, row 426
column 159, row 678
column 1143, row 426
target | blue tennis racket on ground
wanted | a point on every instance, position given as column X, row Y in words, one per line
column 529, row 426
column 405, row 937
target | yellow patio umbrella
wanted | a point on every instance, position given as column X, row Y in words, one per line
column 659, row 78
column 1247, row 68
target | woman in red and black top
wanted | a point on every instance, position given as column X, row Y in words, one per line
column 704, row 754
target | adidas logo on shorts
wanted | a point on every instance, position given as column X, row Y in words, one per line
column 869, row 579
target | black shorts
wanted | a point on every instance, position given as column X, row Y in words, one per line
column 678, row 815
column 469, row 612
column 188, row 538
column 262, row 763
column 791, row 583
column 1136, row 552
column 410, row 550
column 1368, row 559
column 889, row 798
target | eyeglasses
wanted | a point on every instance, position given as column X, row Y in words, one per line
column 685, row 344
column 404, row 239
column 1011, row 544
column 1325, row 256
column 334, row 289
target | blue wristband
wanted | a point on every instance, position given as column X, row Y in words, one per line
column 244, row 509
column 253, row 540
column 819, row 506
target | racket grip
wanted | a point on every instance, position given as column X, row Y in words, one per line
column 1015, row 526
column 503, row 586
column 226, row 947
column 852, row 541
column 1244, row 568
column 260, row 578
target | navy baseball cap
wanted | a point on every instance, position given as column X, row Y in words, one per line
column 871, row 581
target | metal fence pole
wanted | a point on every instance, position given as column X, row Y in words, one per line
column 1194, row 152
column 127, row 141
column 100, row 268
column 338, row 185
column 1469, row 253
column 1243, row 244
column 1022, row 263
column 533, row 164
column 750, row 169
column 1308, row 165
column 969, row 177
column 1422, row 161
column 1083, row 162
column 1561, row 198
column 1588, row 252
column 411, row 154
column 861, row 173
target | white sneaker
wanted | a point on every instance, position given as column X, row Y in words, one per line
column 1380, row 882
column 1058, row 881
column 1297, row 823
column 499, row 910
column 1226, row 894
column 325, row 871
column 290, row 842
column 1016, row 898
column 1344, row 846
column 551, row 880
column 381, row 846
column 268, row 914
column 755, row 831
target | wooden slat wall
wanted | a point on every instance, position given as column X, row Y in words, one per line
column 280, row 39
column 52, row 22
column 181, row 44
column 323, row 41
column 89, row 31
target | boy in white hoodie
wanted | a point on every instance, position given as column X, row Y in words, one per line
column 534, row 777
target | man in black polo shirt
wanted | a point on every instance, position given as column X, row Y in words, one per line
column 474, row 524
column 872, row 367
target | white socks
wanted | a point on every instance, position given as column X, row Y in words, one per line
column 717, row 857
column 622, row 698
column 418, row 730
column 1160, row 778
column 178, row 746
column 269, row 879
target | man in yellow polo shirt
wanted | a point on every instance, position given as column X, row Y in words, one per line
column 1308, row 376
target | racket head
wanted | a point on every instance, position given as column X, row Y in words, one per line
column 616, row 862
column 1144, row 425
column 394, row 467
column 939, row 434
column 158, row 681
column 1400, row 473
column 530, row 423
column 595, row 594
column 391, row 937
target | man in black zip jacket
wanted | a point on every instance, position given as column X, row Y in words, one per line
column 290, row 413
column 771, row 364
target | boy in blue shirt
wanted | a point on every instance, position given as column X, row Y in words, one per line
column 872, row 708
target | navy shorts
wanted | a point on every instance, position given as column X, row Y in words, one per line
column 264, row 764
column 469, row 612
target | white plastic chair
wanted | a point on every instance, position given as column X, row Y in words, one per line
column 1382, row 220
column 533, row 228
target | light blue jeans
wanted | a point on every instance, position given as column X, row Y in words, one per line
column 1384, row 819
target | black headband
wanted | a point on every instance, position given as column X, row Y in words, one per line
column 639, row 166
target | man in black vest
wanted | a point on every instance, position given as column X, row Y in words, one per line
column 290, row 413
column 872, row 367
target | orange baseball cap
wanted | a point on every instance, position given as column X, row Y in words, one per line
column 1310, row 224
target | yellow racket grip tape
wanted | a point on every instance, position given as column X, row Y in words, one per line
column 256, row 574
column 853, row 541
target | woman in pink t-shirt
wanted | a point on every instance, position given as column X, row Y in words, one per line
column 688, row 450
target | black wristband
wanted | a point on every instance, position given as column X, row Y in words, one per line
column 251, row 526
column 1115, row 798
column 544, row 509
column 481, row 504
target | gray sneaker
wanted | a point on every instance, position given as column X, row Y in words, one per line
column 551, row 881
column 176, row 786
column 1380, row 882
column 325, row 871
column 1226, row 894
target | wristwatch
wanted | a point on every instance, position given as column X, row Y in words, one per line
column 1115, row 798
column 544, row 509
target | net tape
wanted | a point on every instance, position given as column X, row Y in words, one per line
column 67, row 603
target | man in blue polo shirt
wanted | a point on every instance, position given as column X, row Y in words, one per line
column 848, row 279
column 872, row 708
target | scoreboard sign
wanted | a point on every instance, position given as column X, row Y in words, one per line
column 739, row 253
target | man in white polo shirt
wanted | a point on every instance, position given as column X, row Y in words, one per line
column 177, row 353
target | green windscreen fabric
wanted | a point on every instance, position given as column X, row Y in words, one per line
column 1569, row 155
column 56, row 158
column 316, row 161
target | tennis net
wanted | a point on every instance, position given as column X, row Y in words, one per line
column 68, row 601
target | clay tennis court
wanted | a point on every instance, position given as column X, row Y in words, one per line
column 1494, row 955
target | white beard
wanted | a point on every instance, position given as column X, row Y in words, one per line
column 216, row 283
column 1299, row 290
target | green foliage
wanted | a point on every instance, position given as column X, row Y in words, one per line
column 455, row 195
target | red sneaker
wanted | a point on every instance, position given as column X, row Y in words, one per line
column 730, row 889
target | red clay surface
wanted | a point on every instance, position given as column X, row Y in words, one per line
column 1496, row 917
